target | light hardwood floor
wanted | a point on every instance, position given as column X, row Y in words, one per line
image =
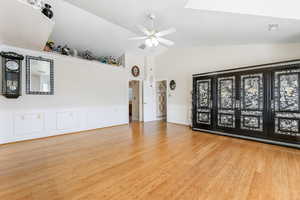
column 147, row 161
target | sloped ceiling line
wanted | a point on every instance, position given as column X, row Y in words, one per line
column 103, row 26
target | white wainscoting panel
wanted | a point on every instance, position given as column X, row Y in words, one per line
column 6, row 127
column 24, row 125
column 67, row 120
column 106, row 116
column 178, row 114
column 28, row 123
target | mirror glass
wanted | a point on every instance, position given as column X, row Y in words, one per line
column 39, row 74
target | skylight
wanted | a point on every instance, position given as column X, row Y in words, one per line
column 271, row 8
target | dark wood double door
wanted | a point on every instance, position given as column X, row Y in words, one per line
column 261, row 103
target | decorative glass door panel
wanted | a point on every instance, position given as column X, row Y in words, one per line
column 252, row 102
column 226, row 102
column 203, row 101
column 286, row 100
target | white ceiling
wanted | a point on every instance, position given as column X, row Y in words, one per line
column 288, row 9
column 31, row 31
column 194, row 27
column 82, row 30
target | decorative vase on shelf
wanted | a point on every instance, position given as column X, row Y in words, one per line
column 47, row 11
column 31, row 2
column 37, row 4
column 88, row 55
column 74, row 52
column 66, row 51
column 49, row 46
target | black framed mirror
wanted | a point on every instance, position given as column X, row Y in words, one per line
column 39, row 76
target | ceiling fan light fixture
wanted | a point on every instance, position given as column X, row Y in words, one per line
column 152, row 37
column 148, row 42
column 154, row 41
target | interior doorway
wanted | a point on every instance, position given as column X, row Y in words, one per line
column 161, row 100
column 134, row 100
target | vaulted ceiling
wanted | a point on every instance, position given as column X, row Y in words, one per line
column 104, row 25
column 83, row 30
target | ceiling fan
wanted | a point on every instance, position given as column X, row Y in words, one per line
column 153, row 37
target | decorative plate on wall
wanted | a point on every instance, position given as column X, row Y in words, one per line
column 172, row 85
column 135, row 71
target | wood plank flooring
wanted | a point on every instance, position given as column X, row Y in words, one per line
column 147, row 161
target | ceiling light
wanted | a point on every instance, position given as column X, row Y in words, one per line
column 270, row 8
column 153, row 37
column 154, row 41
column 148, row 42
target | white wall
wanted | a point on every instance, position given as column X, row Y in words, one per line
column 132, row 59
column 146, row 65
column 180, row 64
column 88, row 95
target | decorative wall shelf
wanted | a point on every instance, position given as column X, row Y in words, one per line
column 23, row 26
column 54, row 55
column 80, row 59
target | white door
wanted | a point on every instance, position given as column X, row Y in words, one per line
column 149, row 101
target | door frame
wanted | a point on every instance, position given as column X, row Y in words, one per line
column 141, row 110
column 167, row 95
column 141, row 96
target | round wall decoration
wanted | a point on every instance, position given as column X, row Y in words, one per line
column 172, row 85
column 135, row 71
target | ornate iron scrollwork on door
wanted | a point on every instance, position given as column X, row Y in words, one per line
column 226, row 102
column 287, row 102
column 252, row 102
column 204, row 101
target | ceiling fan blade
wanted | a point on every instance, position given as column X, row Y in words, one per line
column 144, row 30
column 165, row 32
column 138, row 38
column 166, row 42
